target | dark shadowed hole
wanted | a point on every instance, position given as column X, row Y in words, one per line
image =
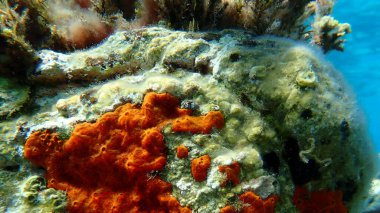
column 12, row 168
column 204, row 69
column 301, row 172
column 344, row 129
column 307, row 114
column 349, row 188
column 234, row 57
column 271, row 162
column 245, row 100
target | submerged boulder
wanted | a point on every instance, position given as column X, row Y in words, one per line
column 291, row 126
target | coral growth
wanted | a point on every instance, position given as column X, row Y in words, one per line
column 109, row 165
column 232, row 172
column 318, row 201
column 182, row 151
column 276, row 17
column 199, row 167
column 329, row 33
column 16, row 53
column 13, row 25
column 53, row 24
column 253, row 203
column 326, row 31
column 76, row 25
column 82, row 23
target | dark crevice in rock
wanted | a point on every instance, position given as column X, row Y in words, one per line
column 306, row 114
column 245, row 100
column 344, row 129
column 349, row 189
column 301, row 172
column 12, row 168
column 234, row 57
column 271, row 162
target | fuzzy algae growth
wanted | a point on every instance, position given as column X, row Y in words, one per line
column 12, row 97
column 289, row 122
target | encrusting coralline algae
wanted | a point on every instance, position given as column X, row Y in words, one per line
column 211, row 121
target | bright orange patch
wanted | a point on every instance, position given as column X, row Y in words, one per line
column 228, row 209
column 232, row 171
column 202, row 124
column 110, row 165
column 199, row 167
column 253, row 203
column 182, row 151
column 319, row 201
column 84, row 3
column 256, row 204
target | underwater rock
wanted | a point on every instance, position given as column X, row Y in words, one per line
column 41, row 198
column 12, row 97
column 374, row 197
column 265, row 111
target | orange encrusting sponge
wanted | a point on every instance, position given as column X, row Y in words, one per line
column 319, row 201
column 199, row 167
column 202, row 124
column 232, row 172
column 182, row 151
column 252, row 203
column 109, row 165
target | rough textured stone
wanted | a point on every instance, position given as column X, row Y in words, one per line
column 278, row 97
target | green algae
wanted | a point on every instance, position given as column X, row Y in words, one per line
column 13, row 96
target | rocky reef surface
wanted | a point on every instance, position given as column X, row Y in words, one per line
column 290, row 130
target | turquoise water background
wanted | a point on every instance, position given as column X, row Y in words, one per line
column 360, row 62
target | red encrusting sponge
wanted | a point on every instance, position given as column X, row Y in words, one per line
column 232, row 172
column 109, row 165
column 318, row 201
column 182, row 151
column 199, row 167
column 252, row 203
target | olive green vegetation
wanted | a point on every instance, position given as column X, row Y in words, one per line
column 12, row 97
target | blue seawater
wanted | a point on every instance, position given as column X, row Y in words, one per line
column 360, row 62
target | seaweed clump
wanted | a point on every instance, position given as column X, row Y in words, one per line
column 275, row 17
column 56, row 24
column 31, row 25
